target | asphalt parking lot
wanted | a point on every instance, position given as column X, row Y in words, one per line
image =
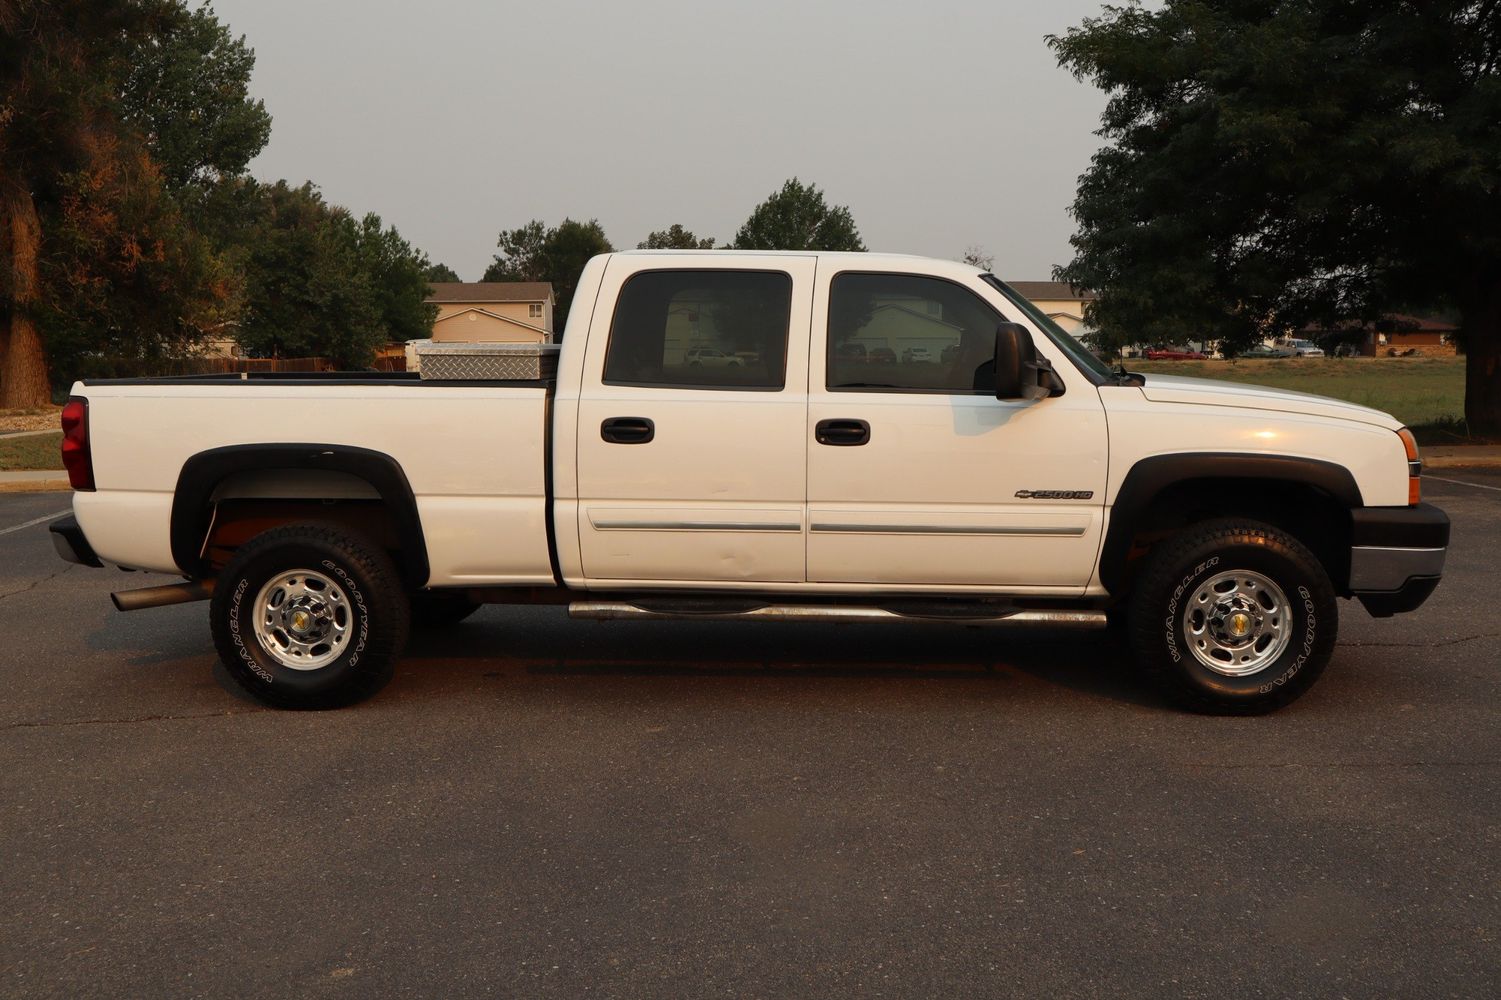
column 539, row 807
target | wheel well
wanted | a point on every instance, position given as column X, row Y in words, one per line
column 1308, row 513
column 236, row 520
column 226, row 496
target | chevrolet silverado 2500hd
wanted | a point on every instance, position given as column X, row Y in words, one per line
column 998, row 474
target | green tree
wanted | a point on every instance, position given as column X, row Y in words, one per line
column 797, row 218
column 308, row 292
column 1268, row 163
column 521, row 256
column 441, row 272
column 97, row 255
column 52, row 56
column 397, row 273
column 558, row 255
column 131, row 283
column 675, row 238
column 318, row 283
column 187, row 93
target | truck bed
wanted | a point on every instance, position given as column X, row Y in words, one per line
column 474, row 455
column 318, row 378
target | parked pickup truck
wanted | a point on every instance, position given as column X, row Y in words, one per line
column 1019, row 482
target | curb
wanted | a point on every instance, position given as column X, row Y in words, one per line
column 35, row 486
column 1461, row 462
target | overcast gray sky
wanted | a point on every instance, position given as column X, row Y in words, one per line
column 940, row 123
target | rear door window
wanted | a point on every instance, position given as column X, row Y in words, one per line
column 690, row 329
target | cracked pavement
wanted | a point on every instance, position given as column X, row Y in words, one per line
column 539, row 807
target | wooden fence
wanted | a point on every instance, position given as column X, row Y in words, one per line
column 221, row 366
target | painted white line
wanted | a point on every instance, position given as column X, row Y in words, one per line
column 1461, row 482
column 36, row 520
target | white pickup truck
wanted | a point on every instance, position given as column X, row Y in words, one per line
column 897, row 440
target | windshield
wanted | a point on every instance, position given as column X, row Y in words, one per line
column 1075, row 350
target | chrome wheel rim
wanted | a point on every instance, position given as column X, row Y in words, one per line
column 302, row 619
column 1237, row 623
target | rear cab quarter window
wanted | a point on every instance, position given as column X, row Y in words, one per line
column 693, row 329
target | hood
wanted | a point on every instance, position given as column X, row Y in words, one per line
column 1208, row 392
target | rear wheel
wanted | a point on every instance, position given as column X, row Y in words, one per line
column 1233, row 617
column 309, row 616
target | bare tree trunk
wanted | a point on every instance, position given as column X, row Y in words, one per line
column 1482, row 336
column 23, row 377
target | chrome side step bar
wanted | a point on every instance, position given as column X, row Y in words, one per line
column 622, row 611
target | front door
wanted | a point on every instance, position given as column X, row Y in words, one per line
column 691, row 453
column 917, row 475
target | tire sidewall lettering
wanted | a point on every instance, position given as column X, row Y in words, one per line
column 1304, row 650
column 1310, row 636
column 359, row 602
column 1170, row 620
column 236, row 602
column 243, row 645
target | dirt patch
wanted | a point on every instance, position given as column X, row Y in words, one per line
column 46, row 418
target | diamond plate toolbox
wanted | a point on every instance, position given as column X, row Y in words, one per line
column 488, row 362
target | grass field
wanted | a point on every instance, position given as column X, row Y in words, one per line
column 1417, row 391
column 35, row 451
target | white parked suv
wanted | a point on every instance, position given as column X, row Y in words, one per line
column 710, row 357
column 1021, row 483
column 1301, row 348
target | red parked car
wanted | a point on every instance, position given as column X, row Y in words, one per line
column 1175, row 354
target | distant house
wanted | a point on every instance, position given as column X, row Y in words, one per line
column 1391, row 335
column 900, row 324
column 1396, row 332
column 1062, row 303
column 492, row 311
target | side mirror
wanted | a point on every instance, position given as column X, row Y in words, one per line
column 1019, row 372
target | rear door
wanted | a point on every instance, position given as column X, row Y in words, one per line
column 691, row 423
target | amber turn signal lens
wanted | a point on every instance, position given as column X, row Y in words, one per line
column 1410, row 443
column 1414, row 467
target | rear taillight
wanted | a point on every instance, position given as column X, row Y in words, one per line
column 76, row 457
column 1414, row 467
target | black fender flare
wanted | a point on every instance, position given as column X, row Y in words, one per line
column 1149, row 477
column 202, row 473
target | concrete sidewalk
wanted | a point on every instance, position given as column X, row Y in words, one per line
column 1461, row 456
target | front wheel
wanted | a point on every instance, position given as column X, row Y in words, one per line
column 309, row 616
column 1233, row 617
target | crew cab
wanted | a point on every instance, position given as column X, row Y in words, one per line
column 1016, row 482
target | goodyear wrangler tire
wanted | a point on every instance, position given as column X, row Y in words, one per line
column 309, row 616
column 1233, row 617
